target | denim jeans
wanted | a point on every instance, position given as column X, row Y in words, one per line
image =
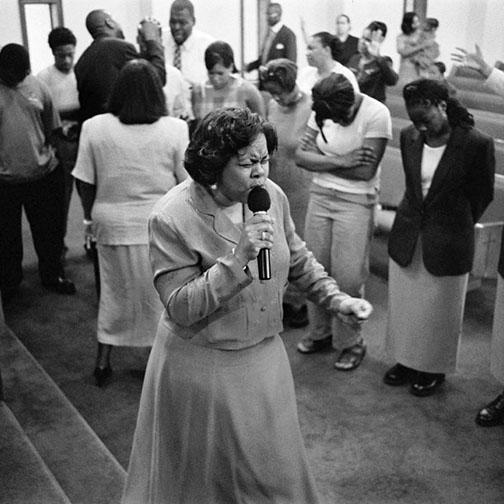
column 338, row 231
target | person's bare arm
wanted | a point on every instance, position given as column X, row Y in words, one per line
column 358, row 164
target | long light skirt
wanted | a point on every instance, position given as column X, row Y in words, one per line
column 497, row 346
column 425, row 316
column 218, row 427
column 130, row 307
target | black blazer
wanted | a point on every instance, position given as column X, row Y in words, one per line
column 99, row 65
column 283, row 46
column 461, row 189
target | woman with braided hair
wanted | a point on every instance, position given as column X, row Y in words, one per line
column 343, row 145
column 449, row 170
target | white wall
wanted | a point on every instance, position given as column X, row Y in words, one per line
column 462, row 22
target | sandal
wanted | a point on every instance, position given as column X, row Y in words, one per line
column 351, row 357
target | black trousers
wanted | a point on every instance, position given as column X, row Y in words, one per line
column 43, row 202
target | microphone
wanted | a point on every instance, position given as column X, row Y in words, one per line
column 259, row 202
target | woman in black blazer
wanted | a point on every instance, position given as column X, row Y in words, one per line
column 449, row 169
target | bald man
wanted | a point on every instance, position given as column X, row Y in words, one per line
column 98, row 67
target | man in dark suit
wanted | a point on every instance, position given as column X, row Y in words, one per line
column 349, row 43
column 280, row 41
column 100, row 64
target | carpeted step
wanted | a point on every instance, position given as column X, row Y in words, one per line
column 25, row 477
column 80, row 462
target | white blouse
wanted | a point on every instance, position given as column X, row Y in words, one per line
column 430, row 161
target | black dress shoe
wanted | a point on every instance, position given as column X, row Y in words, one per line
column 60, row 285
column 492, row 414
column 398, row 375
column 308, row 345
column 425, row 384
column 102, row 375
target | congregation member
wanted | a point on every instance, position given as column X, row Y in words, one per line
column 493, row 413
column 61, row 81
column 410, row 43
column 343, row 144
column 128, row 158
column 349, row 43
column 321, row 54
column 425, row 59
column 217, row 417
column 374, row 72
column 289, row 111
column 185, row 45
column 224, row 88
column 30, row 176
column 177, row 102
column 99, row 65
column 279, row 41
column 449, row 170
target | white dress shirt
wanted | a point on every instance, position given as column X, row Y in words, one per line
column 192, row 55
column 309, row 76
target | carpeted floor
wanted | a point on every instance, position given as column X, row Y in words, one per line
column 367, row 443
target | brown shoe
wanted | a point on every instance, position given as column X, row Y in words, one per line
column 350, row 358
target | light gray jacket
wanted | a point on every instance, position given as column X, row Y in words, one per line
column 209, row 298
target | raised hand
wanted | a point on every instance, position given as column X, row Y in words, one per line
column 472, row 60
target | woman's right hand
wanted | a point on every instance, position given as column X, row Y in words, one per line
column 257, row 234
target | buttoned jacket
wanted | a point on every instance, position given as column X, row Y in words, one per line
column 210, row 298
column 283, row 46
column 461, row 189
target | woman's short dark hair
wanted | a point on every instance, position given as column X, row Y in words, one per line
column 14, row 64
column 427, row 92
column 219, row 52
column 378, row 25
column 219, row 137
column 407, row 22
column 332, row 98
column 281, row 71
column 61, row 36
column 137, row 96
column 328, row 40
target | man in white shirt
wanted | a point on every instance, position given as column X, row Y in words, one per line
column 185, row 45
column 61, row 81
column 320, row 53
column 175, row 89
